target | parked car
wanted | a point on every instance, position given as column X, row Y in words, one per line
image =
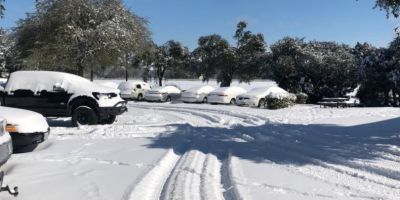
column 197, row 94
column 133, row 90
column 6, row 150
column 225, row 95
column 27, row 128
column 57, row 94
column 256, row 96
column 163, row 94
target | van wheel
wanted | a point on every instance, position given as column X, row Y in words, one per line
column 233, row 102
column 205, row 100
column 261, row 103
column 168, row 99
column 84, row 115
column 109, row 120
column 140, row 97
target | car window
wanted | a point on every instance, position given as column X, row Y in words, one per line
column 138, row 86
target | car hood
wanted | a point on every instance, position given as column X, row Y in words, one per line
column 26, row 121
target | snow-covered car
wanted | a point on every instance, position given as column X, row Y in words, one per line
column 197, row 94
column 225, row 95
column 27, row 128
column 133, row 90
column 57, row 94
column 166, row 93
column 256, row 96
column 6, row 148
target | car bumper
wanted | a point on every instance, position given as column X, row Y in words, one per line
column 117, row 109
column 246, row 102
column 25, row 139
column 155, row 98
column 6, row 149
column 191, row 99
column 218, row 100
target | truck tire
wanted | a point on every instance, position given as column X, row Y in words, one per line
column 109, row 120
column 84, row 115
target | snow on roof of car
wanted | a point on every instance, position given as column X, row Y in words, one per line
column 128, row 85
column 168, row 88
column 202, row 88
column 109, row 84
column 46, row 80
column 229, row 89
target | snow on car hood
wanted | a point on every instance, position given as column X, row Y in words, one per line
column 262, row 92
column 26, row 121
column 37, row 81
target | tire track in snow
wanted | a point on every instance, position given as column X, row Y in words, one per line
column 151, row 184
column 197, row 176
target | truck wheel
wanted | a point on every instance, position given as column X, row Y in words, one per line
column 84, row 115
column 109, row 120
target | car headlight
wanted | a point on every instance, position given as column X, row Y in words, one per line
column 103, row 95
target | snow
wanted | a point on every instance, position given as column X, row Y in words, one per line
column 110, row 84
column 166, row 89
column 26, row 121
column 200, row 89
column 201, row 151
column 37, row 81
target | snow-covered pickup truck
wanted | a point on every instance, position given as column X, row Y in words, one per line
column 57, row 94
column 27, row 128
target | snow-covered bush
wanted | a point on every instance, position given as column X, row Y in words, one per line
column 280, row 100
column 301, row 98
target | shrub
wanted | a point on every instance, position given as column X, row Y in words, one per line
column 301, row 98
column 279, row 101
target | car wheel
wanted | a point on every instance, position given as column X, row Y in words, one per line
column 233, row 102
column 168, row 99
column 205, row 100
column 261, row 103
column 140, row 97
column 84, row 115
column 109, row 120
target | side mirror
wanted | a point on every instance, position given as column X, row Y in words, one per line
column 58, row 88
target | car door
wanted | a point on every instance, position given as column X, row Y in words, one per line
column 53, row 103
column 20, row 98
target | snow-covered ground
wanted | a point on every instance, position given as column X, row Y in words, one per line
column 196, row 151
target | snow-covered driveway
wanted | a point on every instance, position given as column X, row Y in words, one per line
column 195, row 151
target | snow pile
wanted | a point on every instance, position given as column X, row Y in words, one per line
column 279, row 93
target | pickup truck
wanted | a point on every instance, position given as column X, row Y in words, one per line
column 58, row 94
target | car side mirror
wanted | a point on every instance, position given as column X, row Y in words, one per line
column 58, row 88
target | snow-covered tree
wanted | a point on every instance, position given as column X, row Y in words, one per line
column 215, row 57
column 74, row 35
column 170, row 56
column 319, row 69
column 392, row 7
column 250, row 52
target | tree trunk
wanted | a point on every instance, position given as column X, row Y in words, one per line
column 80, row 69
column 160, row 81
column 126, row 74
column 91, row 74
